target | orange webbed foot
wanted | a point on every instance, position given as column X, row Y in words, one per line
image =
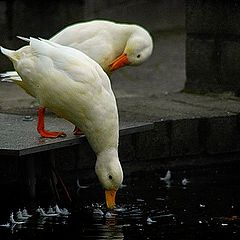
column 47, row 134
column 41, row 129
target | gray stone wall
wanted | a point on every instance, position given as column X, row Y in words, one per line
column 213, row 46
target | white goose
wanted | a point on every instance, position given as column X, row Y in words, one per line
column 112, row 45
column 76, row 88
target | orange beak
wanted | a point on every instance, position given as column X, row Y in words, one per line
column 110, row 198
column 119, row 62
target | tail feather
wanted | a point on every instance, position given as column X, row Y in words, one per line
column 24, row 38
column 49, row 42
column 11, row 54
column 10, row 76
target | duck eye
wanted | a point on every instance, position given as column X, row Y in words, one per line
column 110, row 177
column 138, row 56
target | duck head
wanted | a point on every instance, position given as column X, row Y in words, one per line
column 137, row 50
column 110, row 174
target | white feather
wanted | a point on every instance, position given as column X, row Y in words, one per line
column 10, row 76
column 24, row 38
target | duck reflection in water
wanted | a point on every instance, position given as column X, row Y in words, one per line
column 110, row 230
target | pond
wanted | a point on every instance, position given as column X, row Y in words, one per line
column 201, row 203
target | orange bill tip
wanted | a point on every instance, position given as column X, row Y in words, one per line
column 119, row 62
column 110, row 198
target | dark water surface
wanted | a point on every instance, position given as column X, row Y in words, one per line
column 207, row 206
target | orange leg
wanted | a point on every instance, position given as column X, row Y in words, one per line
column 77, row 131
column 40, row 126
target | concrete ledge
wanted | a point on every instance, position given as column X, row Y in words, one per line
column 19, row 136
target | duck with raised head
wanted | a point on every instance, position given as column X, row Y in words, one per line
column 113, row 45
column 75, row 87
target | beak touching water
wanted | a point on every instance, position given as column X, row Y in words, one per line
column 119, row 62
column 110, row 198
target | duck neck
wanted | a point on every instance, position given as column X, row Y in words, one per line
column 107, row 155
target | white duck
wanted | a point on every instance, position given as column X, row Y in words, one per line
column 75, row 87
column 112, row 45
